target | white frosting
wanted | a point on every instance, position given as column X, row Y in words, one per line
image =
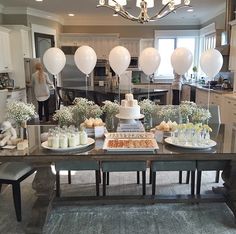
column 130, row 112
column 129, row 107
column 129, row 96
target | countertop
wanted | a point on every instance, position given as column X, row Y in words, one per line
column 219, row 91
column 231, row 96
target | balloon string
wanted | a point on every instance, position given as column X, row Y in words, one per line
column 208, row 97
column 86, row 85
column 119, row 89
column 149, row 87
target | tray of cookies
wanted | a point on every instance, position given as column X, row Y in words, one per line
column 130, row 144
column 129, row 135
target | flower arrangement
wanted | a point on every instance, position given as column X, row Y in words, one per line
column 64, row 116
column 166, row 112
column 186, row 109
column 20, row 112
column 147, row 107
column 200, row 115
column 83, row 109
column 110, row 108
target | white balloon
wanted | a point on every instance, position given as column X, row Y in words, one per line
column 149, row 60
column 85, row 59
column 211, row 62
column 54, row 60
column 119, row 59
column 181, row 60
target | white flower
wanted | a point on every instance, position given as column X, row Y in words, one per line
column 64, row 116
column 110, row 108
column 200, row 115
column 147, row 107
column 166, row 111
column 20, row 111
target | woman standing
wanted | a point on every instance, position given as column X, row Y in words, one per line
column 41, row 84
column 176, row 89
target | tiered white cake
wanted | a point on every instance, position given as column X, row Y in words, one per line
column 129, row 108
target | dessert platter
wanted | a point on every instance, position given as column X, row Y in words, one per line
column 190, row 145
column 166, row 127
column 90, row 141
column 129, row 108
column 130, row 141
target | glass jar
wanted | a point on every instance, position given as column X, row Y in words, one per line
column 83, row 137
column 63, row 140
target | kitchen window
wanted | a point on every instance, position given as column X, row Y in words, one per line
column 167, row 41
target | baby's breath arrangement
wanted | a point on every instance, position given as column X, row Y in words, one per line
column 186, row 109
column 200, row 115
column 110, row 108
column 166, row 112
column 64, row 116
column 147, row 107
column 20, row 111
column 83, row 108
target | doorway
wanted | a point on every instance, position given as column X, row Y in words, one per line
column 42, row 43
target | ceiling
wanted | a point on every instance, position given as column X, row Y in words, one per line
column 86, row 12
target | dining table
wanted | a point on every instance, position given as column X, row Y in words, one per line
column 224, row 135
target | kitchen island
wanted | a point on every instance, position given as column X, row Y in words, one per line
column 101, row 94
column 44, row 181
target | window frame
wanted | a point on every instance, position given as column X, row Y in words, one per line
column 175, row 34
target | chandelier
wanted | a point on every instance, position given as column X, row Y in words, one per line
column 169, row 6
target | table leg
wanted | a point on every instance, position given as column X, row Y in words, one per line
column 43, row 184
column 229, row 175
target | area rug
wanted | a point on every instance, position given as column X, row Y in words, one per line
column 141, row 219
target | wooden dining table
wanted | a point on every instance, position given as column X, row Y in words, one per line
column 44, row 181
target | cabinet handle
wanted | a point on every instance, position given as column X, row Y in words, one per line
column 229, row 102
column 5, row 67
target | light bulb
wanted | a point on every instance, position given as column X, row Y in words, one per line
column 121, row 2
column 150, row 3
column 186, row 2
column 101, row 2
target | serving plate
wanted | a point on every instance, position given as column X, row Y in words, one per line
column 90, row 142
column 128, row 117
column 130, row 149
column 189, row 145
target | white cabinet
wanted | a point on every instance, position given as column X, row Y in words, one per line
column 186, row 92
column 229, row 109
column 101, row 43
column 146, row 43
column 232, row 56
column 20, row 49
column 5, row 58
column 201, row 97
column 16, row 95
column 132, row 45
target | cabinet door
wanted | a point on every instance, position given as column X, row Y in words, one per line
column 25, row 43
column 232, row 57
column 185, row 95
column 5, row 60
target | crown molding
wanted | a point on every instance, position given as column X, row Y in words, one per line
column 32, row 12
column 219, row 11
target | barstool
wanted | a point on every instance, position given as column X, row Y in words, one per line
column 76, row 166
column 120, row 166
column 173, row 166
